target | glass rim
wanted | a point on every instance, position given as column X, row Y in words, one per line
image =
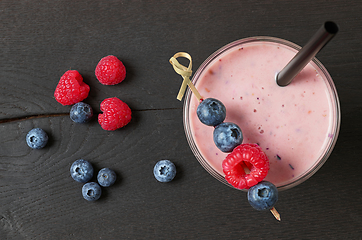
column 332, row 94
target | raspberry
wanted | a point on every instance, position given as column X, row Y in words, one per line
column 110, row 71
column 71, row 88
column 116, row 114
column 245, row 156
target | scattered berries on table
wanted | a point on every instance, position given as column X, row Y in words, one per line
column 106, row 177
column 227, row 136
column 71, row 88
column 116, row 114
column 164, row 171
column 91, row 191
column 263, row 196
column 81, row 112
column 37, row 138
column 110, row 70
column 244, row 158
column 211, row 112
column 81, row 171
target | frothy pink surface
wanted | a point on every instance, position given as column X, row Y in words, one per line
column 291, row 124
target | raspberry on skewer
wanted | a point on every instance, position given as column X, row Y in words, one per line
column 245, row 156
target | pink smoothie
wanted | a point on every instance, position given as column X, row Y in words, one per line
column 293, row 124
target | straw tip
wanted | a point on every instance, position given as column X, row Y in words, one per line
column 331, row 27
column 282, row 81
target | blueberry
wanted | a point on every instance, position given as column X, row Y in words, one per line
column 211, row 112
column 227, row 136
column 164, row 171
column 81, row 112
column 81, row 171
column 36, row 138
column 91, row 191
column 106, row 177
column 263, row 196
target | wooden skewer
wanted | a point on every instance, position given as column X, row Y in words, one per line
column 186, row 72
column 275, row 214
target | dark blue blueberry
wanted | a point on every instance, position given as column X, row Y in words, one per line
column 164, row 171
column 37, row 138
column 227, row 136
column 211, row 112
column 91, row 191
column 81, row 112
column 106, row 177
column 263, row 196
column 81, row 171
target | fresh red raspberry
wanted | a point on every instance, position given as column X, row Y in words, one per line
column 71, row 88
column 116, row 114
column 110, row 71
column 245, row 156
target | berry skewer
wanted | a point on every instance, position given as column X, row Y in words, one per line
column 247, row 165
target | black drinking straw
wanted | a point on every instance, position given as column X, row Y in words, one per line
column 305, row 55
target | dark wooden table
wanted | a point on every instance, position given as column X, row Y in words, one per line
column 40, row 40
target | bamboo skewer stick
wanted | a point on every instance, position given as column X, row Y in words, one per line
column 275, row 214
column 186, row 73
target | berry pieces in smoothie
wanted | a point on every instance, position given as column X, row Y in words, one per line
column 116, row 114
column 37, row 138
column 244, row 158
column 164, row 171
column 110, row 71
column 227, row 136
column 81, row 112
column 106, row 177
column 81, row 171
column 71, row 88
column 211, row 112
column 263, row 196
column 91, row 191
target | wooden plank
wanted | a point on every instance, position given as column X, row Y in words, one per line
column 40, row 40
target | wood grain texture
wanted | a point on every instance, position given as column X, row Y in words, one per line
column 40, row 40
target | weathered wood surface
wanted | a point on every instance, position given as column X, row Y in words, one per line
column 40, row 40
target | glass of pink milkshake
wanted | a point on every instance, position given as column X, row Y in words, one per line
column 296, row 126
